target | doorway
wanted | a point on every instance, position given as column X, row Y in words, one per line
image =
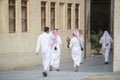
column 100, row 15
column 101, row 19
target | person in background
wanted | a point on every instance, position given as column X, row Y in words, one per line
column 106, row 41
column 82, row 45
column 76, row 49
column 68, row 41
column 43, row 42
column 55, row 50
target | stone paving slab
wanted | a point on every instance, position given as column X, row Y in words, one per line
column 95, row 64
column 115, row 76
column 91, row 67
column 37, row 75
column 54, row 75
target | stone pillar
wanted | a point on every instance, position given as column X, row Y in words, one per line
column 116, row 63
column 88, row 46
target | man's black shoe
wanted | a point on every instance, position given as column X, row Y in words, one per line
column 45, row 74
column 106, row 63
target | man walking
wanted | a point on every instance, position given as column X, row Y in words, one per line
column 76, row 50
column 55, row 50
column 106, row 41
column 82, row 45
column 43, row 42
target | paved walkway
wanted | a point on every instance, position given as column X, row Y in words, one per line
column 112, row 76
column 91, row 67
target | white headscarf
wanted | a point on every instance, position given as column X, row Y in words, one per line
column 75, row 33
column 106, row 38
column 55, row 34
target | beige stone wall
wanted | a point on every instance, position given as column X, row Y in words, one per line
column 116, row 66
column 18, row 49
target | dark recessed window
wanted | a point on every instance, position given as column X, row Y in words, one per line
column 43, row 15
column 24, row 15
column 69, row 16
column 76, row 16
column 12, row 16
column 52, row 11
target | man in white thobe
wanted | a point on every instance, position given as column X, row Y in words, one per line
column 43, row 42
column 82, row 45
column 76, row 50
column 55, row 50
column 106, row 41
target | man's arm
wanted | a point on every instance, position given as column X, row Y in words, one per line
column 38, row 45
column 100, row 40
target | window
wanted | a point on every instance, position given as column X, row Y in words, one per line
column 62, row 16
column 69, row 17
column 52, row 15
column 12, row 16
column 43, row 15
column 24, row 15
column 77, row 16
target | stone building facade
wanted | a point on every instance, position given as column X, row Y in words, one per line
column 21, row 22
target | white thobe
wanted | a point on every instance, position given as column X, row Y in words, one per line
column 55, row 60
column 106, row 49
column 76, row 51
column 43, row 42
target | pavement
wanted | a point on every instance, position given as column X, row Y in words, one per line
column 91, row 69
column 110, row 76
